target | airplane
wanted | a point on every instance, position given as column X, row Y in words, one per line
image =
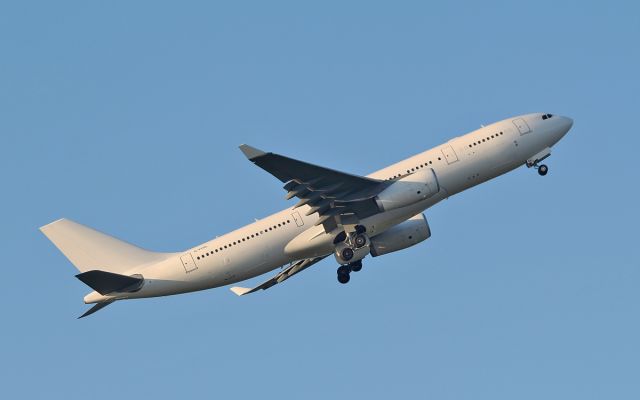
column 337, row 213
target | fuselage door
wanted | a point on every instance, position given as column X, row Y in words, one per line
column 522, row 125
column 296, row 217
column 188, row 263
column 449, row 154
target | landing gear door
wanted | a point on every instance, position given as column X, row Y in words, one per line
column 522, row 126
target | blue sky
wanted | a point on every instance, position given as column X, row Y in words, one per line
column 126, row 116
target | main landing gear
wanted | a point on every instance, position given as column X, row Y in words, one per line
column 350, row 249
column 344, row 271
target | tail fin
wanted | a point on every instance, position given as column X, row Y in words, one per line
column 89, row 249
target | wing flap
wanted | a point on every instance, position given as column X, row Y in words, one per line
column 334, row 195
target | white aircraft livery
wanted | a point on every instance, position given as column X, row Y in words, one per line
column 337, row 213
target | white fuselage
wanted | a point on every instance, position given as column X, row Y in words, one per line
column 289, row 235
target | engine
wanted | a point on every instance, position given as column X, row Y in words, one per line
column 406, row 234
column 409, row 190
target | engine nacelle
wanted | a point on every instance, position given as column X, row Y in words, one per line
column 405, row 234
column 409, row 190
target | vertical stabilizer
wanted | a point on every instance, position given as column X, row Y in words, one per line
column 89, row 249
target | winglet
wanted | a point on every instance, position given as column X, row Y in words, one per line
column 251, row 152
column 240, row 290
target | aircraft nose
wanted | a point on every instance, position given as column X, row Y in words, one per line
column 565, row 124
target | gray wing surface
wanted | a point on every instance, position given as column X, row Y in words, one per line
column 339, row 198
column 282, row 276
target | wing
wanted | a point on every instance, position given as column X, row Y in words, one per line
column 339, row 198
column 283, row 275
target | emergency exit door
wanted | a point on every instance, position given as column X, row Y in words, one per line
column 188, row 263
column 522, row 125
column 449, row 154
column 296, row 217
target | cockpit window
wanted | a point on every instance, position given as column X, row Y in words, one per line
column 547, row 116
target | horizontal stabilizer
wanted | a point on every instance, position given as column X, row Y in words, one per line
column 96, row 307
column 107, row 282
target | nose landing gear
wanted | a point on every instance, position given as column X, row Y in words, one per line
column 533, row 161
column 542, row 170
